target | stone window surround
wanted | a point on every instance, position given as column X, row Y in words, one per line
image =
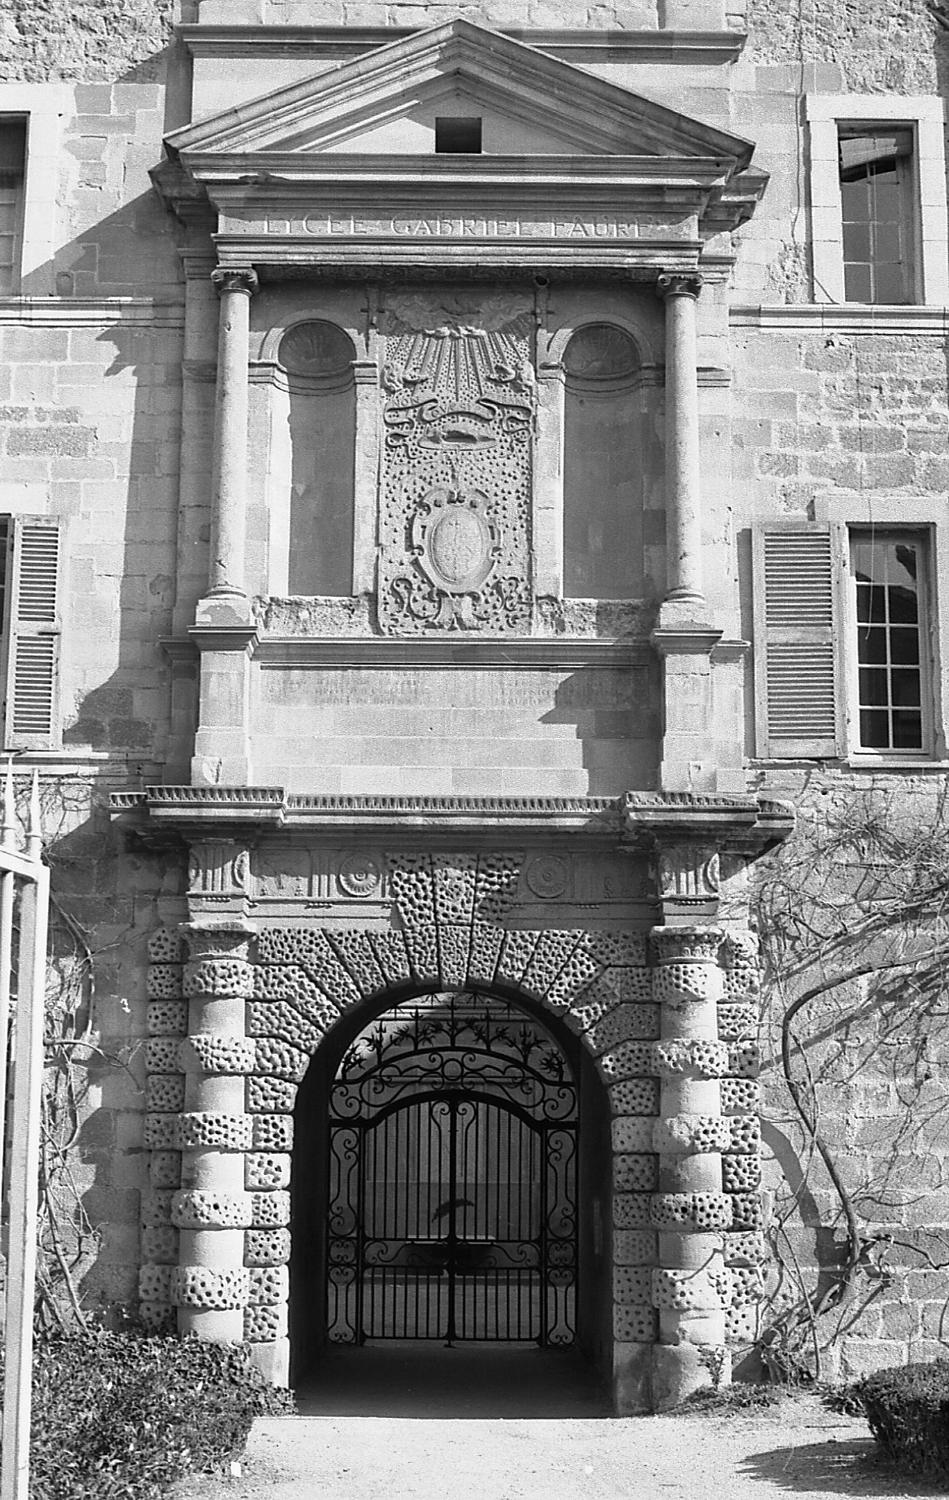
column 824, row 113
column 44, row 106
column 843, row 514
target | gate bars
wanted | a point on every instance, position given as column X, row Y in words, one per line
column 21, row 1199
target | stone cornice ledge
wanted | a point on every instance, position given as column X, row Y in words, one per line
column 516, row 653
column 339, row 42
column 835, row 317
column 90, row 312
column 189, row 809
column 750, row 823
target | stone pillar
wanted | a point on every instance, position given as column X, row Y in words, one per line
column 211, row 1210
column 548, row 480
column 683, row 490
column 690, row 1210
column 682, row 636
column 226, row 581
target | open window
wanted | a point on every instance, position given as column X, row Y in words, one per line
column 12, row 175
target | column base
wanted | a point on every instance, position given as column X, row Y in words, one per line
column 214, row 1325
column 632, row 1379
column 680, row 1369
column 273, row 1361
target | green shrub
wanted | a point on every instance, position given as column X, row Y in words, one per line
column 120, row 1416
column 907, row 1408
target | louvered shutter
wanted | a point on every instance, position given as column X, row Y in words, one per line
column 32, row 634
column 796, row 658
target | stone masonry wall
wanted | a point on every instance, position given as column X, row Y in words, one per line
column 882, row 46
column 87, row 39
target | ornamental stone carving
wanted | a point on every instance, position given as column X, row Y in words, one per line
column 458, row 417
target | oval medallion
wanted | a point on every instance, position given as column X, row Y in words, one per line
column 459, row 546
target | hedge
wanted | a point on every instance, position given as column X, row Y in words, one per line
column 121, row 1416
column 907, row 1408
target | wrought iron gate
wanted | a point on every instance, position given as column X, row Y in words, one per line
column 452, row 1209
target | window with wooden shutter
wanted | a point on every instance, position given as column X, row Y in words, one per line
column 796, row 667
column 31, row 625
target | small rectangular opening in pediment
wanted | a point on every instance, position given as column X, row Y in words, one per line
column 458, row 134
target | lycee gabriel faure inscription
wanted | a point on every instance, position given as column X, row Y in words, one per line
column 450, row 227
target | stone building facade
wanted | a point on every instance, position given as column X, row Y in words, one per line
column 445, row 461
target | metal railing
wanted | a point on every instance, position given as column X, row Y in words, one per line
column 24, row 889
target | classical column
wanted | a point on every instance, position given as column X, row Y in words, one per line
column 690, row 1211
column 683, row 493
column 229, row 472
column 212, row 1209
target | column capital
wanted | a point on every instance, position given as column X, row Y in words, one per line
column 235, row 279
column 679, row 284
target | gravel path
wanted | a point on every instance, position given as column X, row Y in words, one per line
column 799, row 1449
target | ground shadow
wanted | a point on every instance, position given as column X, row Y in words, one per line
column 466, row 1381
column 852, row 1467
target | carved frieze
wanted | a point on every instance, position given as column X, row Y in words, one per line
column 458, row 416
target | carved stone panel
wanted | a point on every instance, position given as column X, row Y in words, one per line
column 459, row 419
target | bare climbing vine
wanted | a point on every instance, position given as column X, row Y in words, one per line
column 854, row 920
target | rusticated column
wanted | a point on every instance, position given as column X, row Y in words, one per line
column 212, row 1209
column 226, row 579
column 690, row 1211
column 683, row 490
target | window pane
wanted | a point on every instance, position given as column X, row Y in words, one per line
column 906, row 688
column 888, row 244
column 857, row 283
column 871, row 603
column 889, row 284
column 907, row 729
column 857, row 241
column 902, row 604
column 872, row 686
column 875, row 729
column 871, row 645
column 904, row 647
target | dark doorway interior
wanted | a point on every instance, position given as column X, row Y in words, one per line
column 446, row 1199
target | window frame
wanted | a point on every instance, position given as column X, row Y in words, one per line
column 826, row 115
column 44, row 106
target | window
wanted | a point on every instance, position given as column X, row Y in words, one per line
column 30, row 561
column 459, row 135
column 12, row 167
column 878, row 199
column 888, row 579
column 842, row 657
column 877, row 211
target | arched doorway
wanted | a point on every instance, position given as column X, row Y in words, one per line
column 444, row 1193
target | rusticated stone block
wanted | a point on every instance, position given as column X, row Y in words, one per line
column 686, row 983
column 157, row 1316
column 742, row 1324
column 632, row 1284
column 486, row 943
column 226, row 1055
column 160, row 1245
column 740, row 1096
column 164, row 1092
column 421, row 944
column 389, row 951
column 741, row 1174
column 634, row 1323
column 632, row 1134
column 631, row 1211
column 280, row 1059
column 164, row 1169
column 745, row 1133
column 688, row 1291
column 272, row 1133
column 155, row 1283
column 354, row 951
column 270, row 1096
column 165, row 946
column 202, row 1287
column 629, row 1060
column 581, row 967
column 268, row 1284
column 156, row 1206
column 282, row 1021
column 616, row 948
column 266, row 1247
column 747, row 1212
column 635, row 1096
column 161, row 1054
column 454, row 945
column 271, row 1210
column 744, row 1059
column 263, row 1169
column 690, row 1059
column 221, row 978
column 161, row 1132
column 167, row 1017
column 164, row 982
column 517, row 951
column 746, row 1285
column 694, row 1211
column 745, row 1248
column 200, row 1129
column 548, row 958
column 634, row 1247
column 737, row 1022
column 264, row 1325
column 635, row 1172
column 193, row 1209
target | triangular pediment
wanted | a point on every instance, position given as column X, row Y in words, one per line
column 386, row 103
